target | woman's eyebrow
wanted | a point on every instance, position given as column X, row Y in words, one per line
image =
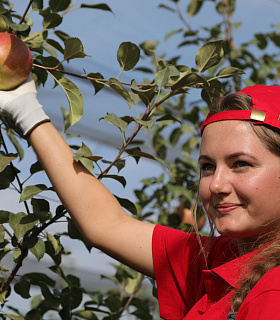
column 229, row 157
column 204, row 157
column 238, row 154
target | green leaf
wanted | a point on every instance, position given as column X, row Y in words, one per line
column 118, row 88
column 6, row 159
column 2, row 233
column 38, row 278
column 42, row 208
column 71, row 297
column 22, row 288
column 85, row 314
column 22, row 223
column 148, row 156
column 8, row 20
column 36, row 246
column 102, row 6
column 34, row 314
column 16, row 144
column 3, row 297
column 37, row 4
column 55, row 243
column 51, row 20
column 211, row 93
column 119, row 164
column 7, row 176
column 97, row 85
column 73, row 49
column 66, row 119
column 228, row 72
column 194, row 7
column 162, row 77
column 60, row 5
column 55, row 44
column 115, row 121
column 4, row 216
column 14, row 317
column 191, row 79
column 146, row 93
column 116, row 177
column 209, row 55
column 16, row 254
column 168, row 117
column 82, row 155
column 149, row 47
column 145, row 123
column 261, row 41
column 31, row 191
column 128, row 55
column 36, row 167
column 74, row 97
column 74, row 233
column 127, row 204
column 178, row 191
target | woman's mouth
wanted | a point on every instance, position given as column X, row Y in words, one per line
column 224, row 208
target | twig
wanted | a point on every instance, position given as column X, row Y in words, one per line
column 133, row 293
column 24, row 15
column 86, row 77
column 23, row 254
column 135, row 131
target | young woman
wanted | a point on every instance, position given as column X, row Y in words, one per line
column 234, row 276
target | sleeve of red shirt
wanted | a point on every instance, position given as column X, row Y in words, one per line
column 178, row 269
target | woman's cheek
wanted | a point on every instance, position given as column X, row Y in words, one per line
column 204, row 192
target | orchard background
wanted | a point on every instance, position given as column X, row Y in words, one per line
column 128, row 84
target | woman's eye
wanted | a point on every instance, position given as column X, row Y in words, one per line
column 207, row 167
column 241, row 164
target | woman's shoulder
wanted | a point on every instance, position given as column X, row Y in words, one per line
column 192, row 242
column 263, row 300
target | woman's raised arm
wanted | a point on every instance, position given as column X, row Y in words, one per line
column 97, row 213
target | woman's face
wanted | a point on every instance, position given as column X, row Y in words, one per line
column 240, row 180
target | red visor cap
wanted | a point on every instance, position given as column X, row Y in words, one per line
column 266, row 108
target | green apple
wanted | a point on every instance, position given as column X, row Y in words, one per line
column 15, row 61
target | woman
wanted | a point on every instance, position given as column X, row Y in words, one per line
column 231, row 276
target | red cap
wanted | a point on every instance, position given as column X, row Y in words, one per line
column 265, row 110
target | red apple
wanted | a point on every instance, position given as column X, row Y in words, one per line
column 15, row 61
column 186, row 216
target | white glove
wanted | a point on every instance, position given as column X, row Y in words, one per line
column 22, row 106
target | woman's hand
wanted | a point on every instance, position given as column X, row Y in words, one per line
column 22, row 106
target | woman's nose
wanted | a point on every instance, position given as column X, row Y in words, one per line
column 220, row 183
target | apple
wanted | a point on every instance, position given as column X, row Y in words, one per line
column 15, row 61
column 186, row 216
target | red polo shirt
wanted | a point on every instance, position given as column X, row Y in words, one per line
column 187, row 291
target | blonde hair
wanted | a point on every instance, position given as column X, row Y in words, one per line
column 268, row 245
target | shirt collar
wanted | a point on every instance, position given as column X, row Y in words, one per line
column 230, row 271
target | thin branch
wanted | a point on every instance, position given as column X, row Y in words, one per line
column 133, row 293
column 24, row 15
column 86, row 77
column 135, row 131
column 22, row 256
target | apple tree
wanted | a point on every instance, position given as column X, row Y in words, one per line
column 170, row 117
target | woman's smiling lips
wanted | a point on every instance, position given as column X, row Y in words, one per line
column 227, row 207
